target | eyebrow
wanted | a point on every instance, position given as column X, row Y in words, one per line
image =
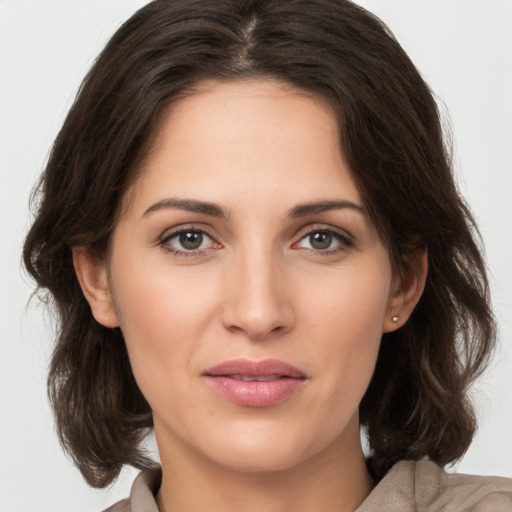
column 206, row 208
column 190, row 205
column 303, row 210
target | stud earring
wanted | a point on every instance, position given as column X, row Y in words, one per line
column 395, row 319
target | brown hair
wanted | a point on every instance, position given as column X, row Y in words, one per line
column 416, row 404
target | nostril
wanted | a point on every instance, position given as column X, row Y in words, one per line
column 255, row 333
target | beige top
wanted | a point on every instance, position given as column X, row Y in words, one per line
column 408, row 487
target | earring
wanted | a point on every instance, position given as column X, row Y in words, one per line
column 395, row 319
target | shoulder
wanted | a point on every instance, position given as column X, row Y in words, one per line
column 424, row 486
column 142, row 494
column 442, row 491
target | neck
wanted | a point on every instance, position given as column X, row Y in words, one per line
column 334, row 480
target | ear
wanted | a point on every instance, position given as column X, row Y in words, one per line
column 407, row 289
column 91, row 272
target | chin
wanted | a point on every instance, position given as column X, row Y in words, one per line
column 262, row 460
column 262, row 449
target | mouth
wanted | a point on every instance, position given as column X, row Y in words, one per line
column 255, row 383
column 258, row 378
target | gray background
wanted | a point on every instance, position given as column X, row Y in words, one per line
column 464, row 50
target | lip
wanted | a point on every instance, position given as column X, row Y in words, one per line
column 225, row 379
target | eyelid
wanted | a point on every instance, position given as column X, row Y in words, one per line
column 329, row 228
column 176, row 230
column 170, row 233
column 344, row 238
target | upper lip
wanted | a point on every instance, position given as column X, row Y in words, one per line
column 250, row 368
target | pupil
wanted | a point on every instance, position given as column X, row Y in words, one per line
column 320, row 240
column 191, row 240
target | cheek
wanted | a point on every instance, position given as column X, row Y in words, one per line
column 166, row 312
column 160, row 313
column 351, row 305
column 152, row 313
column 154, row 300
column 347, row 317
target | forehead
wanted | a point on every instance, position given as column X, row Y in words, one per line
column 255, row 138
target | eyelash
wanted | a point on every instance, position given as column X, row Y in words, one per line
column 164, row 242
column 344, row 242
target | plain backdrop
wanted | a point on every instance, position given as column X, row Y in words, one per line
column 464, row 50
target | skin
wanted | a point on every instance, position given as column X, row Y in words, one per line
column 260, row 286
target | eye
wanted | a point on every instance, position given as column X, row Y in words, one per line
column 188, row 241
column 323, row 240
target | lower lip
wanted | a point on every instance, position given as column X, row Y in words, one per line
column 255, row 393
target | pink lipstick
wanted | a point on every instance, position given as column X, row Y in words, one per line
column 255, row 383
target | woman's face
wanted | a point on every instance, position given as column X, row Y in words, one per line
column 248, row 281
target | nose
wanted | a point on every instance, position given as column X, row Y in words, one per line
column 258, row 302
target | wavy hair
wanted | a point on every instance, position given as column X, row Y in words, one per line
column 391, row 133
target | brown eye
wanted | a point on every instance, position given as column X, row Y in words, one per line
column 324, row 240
column 320, row 240
column 188, row 241
column 191, row 240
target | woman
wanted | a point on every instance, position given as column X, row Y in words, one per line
column 250, row 229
